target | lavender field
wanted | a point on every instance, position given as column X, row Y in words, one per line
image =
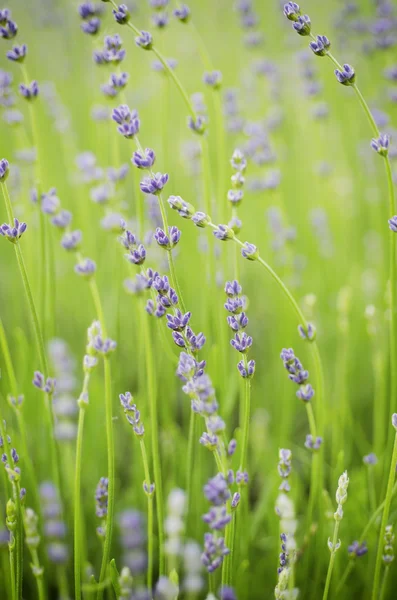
column 198, row 300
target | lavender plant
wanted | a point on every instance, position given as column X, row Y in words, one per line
column 122, row 125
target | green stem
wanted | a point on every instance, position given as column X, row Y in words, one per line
column 331, row 561
column 247, row 416
column 77, row 506
column 385, row 517
column 190, row 463
column 150, row 516
column 384, row 583
column 11, row 547
column 155, row 440
column 18, row 544
column 345, row 576
column 111, row 474
column 28, row 291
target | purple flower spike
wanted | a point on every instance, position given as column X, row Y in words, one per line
column 127, row 120
column 132, row 414
column 41, row 383
column 18, row 53
column 183, row 208
column 305, row 392
column 8, row 29
column 216, row 490
column 71, row 241
column 178, row 321
column 50, row 203
column 250, row 251
column 143, row 160
column 154, row 184
column 167, row 241
column 197, row 125
column 223, row 233
column 370, row 459
column 29, row 92
column 313, row 443
column 347, row 76
column 381, row 145
column 213, row 79
column 121, row 15
column 321, row 46
column 62, row 219
column 144, row 41
column 302, row 25
column 182, row 13
column 92, row 26
column 85, row 268
column 393, row 224
column 13, row 233
column 356, row 549
column 4, row 169
column 246, row 371
column 214, row 552
column 137, row 255
column 241, row 342
column 292, row 11
column 200, row 219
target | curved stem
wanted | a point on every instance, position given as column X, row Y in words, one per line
column 385, row 517
column 384, row 583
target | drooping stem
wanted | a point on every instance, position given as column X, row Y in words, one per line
column 385, row 517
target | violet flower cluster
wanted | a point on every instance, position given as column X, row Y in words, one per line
column 297, row 374
column 217, row 493
column 8, row 27
column 90, row 13
column 238, row 321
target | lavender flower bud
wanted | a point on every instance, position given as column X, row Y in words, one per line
column 292, row 11
column 394, row 421
column 143, row 160
column 308, row 333
column 356, row 549
column 182, row 13
column 92, row 26
column 393, row 224
column 13, row 233
column 223, row 233
column 246, row 371
column 302, row 25
column 127, row 120
column 8, row 29
column 101, row 498
column 29, row 91
column 4, row 169
column 197, row 125
column 121, row 15
column 347, row 76
column 71, row 241
column 167, row 241
column 321, row 46
column 86, row 268
column 144, row 41
column 213, row 79
column 18, row 53
column 183, row 208
column 305, row 392
column 154, row 184
column 381, row 145
column 250, row 251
